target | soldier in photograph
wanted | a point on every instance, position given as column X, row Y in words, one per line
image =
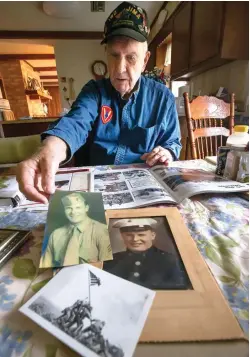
column 81, row 240
column 142, row 262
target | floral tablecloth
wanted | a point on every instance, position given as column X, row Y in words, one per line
column 217, row 223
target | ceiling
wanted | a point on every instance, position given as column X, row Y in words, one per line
column 29, row 15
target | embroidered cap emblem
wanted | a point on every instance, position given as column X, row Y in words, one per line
column 106, row 114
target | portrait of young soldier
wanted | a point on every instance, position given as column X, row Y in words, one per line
column 143, row 263
column 81, row 240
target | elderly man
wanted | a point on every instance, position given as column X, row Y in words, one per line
column 142, row 263
column 82, row 240
column 131, row 118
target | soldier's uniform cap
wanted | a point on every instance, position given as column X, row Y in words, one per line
column 72, row 198
column 127, row 20
column 135, row 224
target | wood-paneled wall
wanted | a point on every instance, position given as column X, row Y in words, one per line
column 54, row 105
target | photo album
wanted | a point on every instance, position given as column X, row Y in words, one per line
column 130, row 188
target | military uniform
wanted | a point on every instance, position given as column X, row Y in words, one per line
column 152, row 268
column 90, row 243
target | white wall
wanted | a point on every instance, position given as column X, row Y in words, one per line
column 234, row 76
column 74, row 59
column 29, row 15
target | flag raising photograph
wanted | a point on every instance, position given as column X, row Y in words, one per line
column 91, row 320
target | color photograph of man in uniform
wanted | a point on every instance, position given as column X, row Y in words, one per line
column 142, row 262
column 79, row 239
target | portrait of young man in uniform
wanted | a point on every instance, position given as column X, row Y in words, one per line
column 142, row 262
column 80, row 239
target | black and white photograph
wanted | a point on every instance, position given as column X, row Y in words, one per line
column 135, row 174
column 111, row 186
column 95, row 313
column 174, row 181
column 148, row 194
column 76, row 230
column 143, row 182
column 109, row 176
column 62, row 181
column 145, row 253
column 117, row 199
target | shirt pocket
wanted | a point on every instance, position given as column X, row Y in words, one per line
column 141, row 139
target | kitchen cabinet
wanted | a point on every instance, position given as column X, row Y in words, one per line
column 208, row 34
column 206, row 30
column 181, row 38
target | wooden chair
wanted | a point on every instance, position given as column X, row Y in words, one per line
column 204, row 117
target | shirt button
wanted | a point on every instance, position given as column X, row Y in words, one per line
column 136, row 275
column 138, row 263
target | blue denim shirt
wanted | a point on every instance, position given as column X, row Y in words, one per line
column 123, row 130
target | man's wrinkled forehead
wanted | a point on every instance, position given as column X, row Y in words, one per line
column 72, row 200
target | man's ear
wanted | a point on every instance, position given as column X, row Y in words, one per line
column 153, row 235
column 146, row 58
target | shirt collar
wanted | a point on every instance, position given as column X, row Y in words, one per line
column 82, row 226
column 134, row 93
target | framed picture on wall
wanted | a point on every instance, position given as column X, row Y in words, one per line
column 153, row 248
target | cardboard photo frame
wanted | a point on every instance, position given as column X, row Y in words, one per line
column 200, row 314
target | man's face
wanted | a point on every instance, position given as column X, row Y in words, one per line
column 127, row 59
column 76, row 211
column 138, row 241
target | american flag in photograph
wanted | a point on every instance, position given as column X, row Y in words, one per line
column 94, row 280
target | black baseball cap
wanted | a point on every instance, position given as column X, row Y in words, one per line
column 127, row 20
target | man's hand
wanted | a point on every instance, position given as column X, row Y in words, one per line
column 36, row 175
column 158, row 155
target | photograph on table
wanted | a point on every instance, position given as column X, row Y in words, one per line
column 102, row 316
column 145, row 253
column 152, row 247
column 76, row 231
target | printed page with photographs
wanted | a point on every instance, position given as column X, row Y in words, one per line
column 65, row 180
column 130, row 188
column 103, row 315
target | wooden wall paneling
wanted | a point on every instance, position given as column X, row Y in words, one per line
column 207, row 19
column 54, row 105
column 60, row 35
column 236, row 43
column 181, row 38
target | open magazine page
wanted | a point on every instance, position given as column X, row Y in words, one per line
column 183, row 183
column 10, row 196
column 62, row 182
column 128, row 188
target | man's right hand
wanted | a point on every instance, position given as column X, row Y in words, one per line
column 36, row 175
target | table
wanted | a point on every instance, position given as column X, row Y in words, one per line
column 217, row 223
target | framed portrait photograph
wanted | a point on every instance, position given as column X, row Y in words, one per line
column 152, row 247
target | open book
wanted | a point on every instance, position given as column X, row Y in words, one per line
column 10, row 195
column 129, row 188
